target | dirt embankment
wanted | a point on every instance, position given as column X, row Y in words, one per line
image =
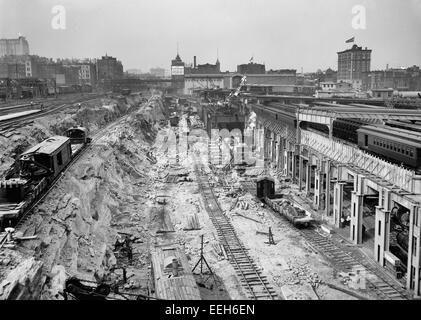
column 97, row 201
column 93, row 115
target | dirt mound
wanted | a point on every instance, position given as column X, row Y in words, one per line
column 78, row 222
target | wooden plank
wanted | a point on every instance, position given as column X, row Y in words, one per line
column 182, row 287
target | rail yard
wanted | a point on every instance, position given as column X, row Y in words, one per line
column 147, row 154
column 118, row 193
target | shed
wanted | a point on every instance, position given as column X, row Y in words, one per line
column 265, row 187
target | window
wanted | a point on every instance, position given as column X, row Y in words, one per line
column 411, row 153
column 416, row 214
column 59, row 159
column 380, row 228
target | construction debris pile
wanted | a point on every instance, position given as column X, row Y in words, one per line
column 76, row 227
column 298, row 271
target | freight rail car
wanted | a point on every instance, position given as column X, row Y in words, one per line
column 39, row 167
column 281, row 204
column 285, row 208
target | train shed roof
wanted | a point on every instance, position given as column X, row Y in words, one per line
column 326, row 115
column 49, row 146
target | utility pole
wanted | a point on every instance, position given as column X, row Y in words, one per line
column 55, row 80
column 17, row 77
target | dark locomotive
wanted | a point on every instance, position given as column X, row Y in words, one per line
column 36, row 169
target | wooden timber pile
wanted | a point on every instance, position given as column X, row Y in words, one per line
column 172, row 276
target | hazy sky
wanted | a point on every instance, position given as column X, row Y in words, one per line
column 281, row 33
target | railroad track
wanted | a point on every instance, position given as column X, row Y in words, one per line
column 28, row 212
column 346, row 261
column 256, row 285
column 17, row 122
column 383, row 285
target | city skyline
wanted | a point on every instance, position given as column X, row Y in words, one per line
column 225, row 27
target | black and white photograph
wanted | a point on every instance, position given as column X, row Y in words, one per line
column 224, row 151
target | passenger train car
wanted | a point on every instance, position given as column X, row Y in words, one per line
column 38, row 168
column 396, row 141
column 397, row 145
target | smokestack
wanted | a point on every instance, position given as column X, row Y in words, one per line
column 194, row 62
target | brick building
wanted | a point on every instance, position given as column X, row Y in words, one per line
column 15, row 47
column 251, row 68
column 109, row 68
column 400, row 79
column 206, row 68
column 353, row 64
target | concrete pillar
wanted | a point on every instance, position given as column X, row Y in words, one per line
column 308, row 177
column 381, row 235
column 414, row 252
column 300, row 173
column 286, row 163
column 331, row 129
column 356, row 224
column 276, row 152
column 274, row 149
column 327, row 191
column 317, row 188
column 294, row 167
column 290, row 164
column 338, row 202
column 279, row 154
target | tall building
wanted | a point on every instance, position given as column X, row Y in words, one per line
column 177, row 73
column 109, row 68
column 15, row 67
column 353, row 64
column 177, row 68
column 15, row 47
column 251, row 68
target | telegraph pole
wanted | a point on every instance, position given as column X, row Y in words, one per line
column 55, row 79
